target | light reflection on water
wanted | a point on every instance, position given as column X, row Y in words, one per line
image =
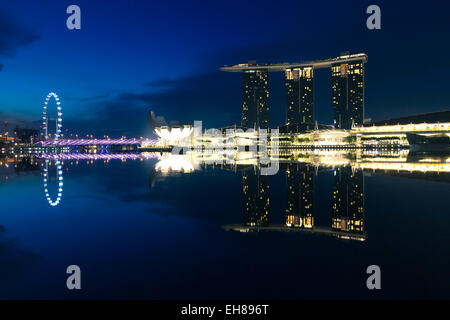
column 158, row 222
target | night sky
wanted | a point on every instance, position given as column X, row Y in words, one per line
column 134, row 56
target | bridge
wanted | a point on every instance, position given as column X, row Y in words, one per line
column 98, row 156
column 94, row 142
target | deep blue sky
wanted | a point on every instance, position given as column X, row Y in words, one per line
column 133, row 56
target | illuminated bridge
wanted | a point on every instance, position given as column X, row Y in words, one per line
column 99, row 156
column 95, row 142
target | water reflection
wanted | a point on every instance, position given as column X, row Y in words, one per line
column 347, row 212
column 255, row 188
column 300, row 196
column 327, row 206
column 348, row 201
column 176, row 163
column 300, row 169
column 59, row 182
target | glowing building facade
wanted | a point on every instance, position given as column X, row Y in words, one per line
column 347, row 73
column 299, row 95
column 174, row 134
column 348, row 94
column 255, row 109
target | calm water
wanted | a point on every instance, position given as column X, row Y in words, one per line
column 137, row 232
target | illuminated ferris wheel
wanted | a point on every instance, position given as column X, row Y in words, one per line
column 58, row 118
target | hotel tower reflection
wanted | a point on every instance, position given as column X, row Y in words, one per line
column 348, row 200
column 300, row 196
column 255, row 188
column 347, row 209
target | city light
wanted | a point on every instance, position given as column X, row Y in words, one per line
column 176, row 163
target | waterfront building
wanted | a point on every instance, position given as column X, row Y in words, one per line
column 348, row 94
column 347, row 85
column 299, row 95
column 255, row 93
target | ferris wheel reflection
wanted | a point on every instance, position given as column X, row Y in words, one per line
column 59, row 181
